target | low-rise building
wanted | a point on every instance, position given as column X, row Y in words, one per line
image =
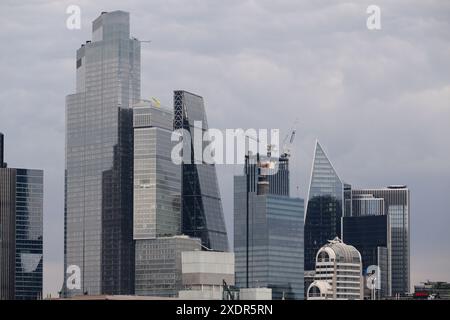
column 338, row 273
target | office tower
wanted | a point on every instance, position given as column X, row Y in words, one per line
column 157, row 209
column 366, row 205
column 29, row 234
column 7, row 232
column 202, row 213
column 277, row 178
column 158, row 264
column 99, row 159
column 369, row 235
column 157, row 179
column 268, row 237
column 21, row 233
column 397, row 208
column 338, row 273
column 327, row 203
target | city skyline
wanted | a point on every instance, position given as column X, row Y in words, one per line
column 369, row 158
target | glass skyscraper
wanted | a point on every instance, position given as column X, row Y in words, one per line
column 157, row 180
column 157, row 204
column 369, row 234
column 29, row 234
column 202, row 213
column 99, row 159
column 21, row 233
column 272, row 249
column 397, row 209
column 327, row 203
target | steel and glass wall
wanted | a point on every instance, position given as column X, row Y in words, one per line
column 202, row 212
column 7, row 232
column 278, row 180
column 158, row 265
column 397, row 209
column 99, row 159
column 29, row 234
column 369, row 235
column 157, row 180
column 325, row 206
column 367, row 205
column 273, row 246
column 21, row 234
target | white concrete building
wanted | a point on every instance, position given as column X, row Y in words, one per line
column 255, row 294
column 203, row 274
column 338, row 273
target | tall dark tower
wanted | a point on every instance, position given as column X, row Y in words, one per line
column 202, row 212
column 326, row 206
column 268, row 229
column 21, row 232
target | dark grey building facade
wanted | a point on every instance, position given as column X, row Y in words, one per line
column 2, row 155
column 21, row 233
column 397, row 209
column 268, row 243
column 7, row 232
column 98, row 235
column 327, row 204
column 202, row 212
column 369, row 235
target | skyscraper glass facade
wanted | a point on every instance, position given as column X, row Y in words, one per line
column 325, row 206
column 157, row 180
column 202, row 212
column 274, row 246
column 21, row 233
column 397, row 208
column 7, row 232
column 29, row 234
column 369, row 234
column 158, row 264
column 367, row 205
column 99, row 159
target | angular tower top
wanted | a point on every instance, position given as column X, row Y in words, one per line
column 324, row 178
column 111, row 25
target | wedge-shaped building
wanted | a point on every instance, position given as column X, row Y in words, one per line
column 326, row 206
column 202, row 212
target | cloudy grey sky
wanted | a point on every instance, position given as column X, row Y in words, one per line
column 379, row 101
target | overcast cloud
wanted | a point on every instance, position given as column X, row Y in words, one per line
column 379, row 101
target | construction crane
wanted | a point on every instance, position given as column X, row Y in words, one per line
column 288, row 141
